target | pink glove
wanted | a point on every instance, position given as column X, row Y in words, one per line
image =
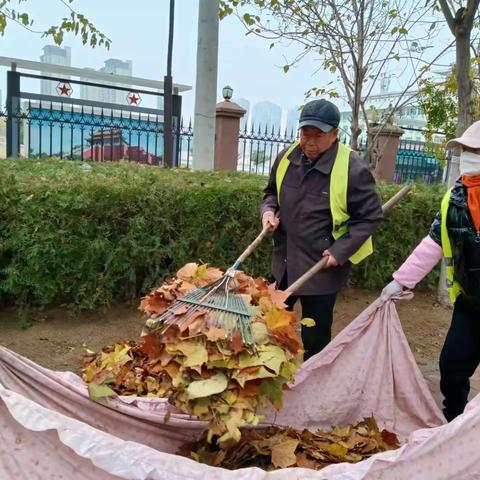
column 419, row 264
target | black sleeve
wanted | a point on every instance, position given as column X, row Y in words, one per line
column 436, row 229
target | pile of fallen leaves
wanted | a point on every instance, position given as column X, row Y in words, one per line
column 200, row 369
column 275, row 447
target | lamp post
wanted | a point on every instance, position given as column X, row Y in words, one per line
column 168, row 96
column 227, row 92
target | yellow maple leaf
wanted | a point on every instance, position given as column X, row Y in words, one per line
column 308, row 322
column 276, row 318
column 195, row 353
column 120, row 356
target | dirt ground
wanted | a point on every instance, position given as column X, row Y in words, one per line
column 56, row 339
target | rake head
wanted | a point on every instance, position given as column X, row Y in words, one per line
column 219, row 306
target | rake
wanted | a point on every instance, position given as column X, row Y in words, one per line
column 225, row 309
column 222, row 308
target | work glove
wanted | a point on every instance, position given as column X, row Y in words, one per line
column 392, row 289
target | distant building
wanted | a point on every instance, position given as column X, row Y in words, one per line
column 410, row 116
column 57, row 56
column 291, row 126
column 116, row 67
column 108, row 95
column 245, row 104
column 267, row 115
column 88, row 92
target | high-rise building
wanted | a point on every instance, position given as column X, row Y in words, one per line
column 105, row 94
column 291, row 126
column 245, row 104
column 116, row 67
column 88, row 92
column 57, row 56
column 267, row 115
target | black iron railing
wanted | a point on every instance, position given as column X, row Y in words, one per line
column 259, row 146
column 418, row 162
column 184, row 136
column 41, row 125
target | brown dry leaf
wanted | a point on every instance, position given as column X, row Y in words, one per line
column 153, row 304
column 287, row 337
column 250, row 389
column 191, row 318
column 181, row 310
column 236, row 343
column 150, row 346
column 390, row 439
column 210, row 275
column 188, row 271
column 243, row 283
column 172, row 369
column 304, row 462
column 283, row 454
column 213, row 334
column 186, row 287
column 278, row 297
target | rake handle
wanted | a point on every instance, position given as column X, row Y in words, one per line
column 251, row 248
column 321, row 264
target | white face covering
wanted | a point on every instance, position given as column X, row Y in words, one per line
column 469, row 163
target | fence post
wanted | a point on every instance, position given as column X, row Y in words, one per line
column 385, row 140
column 13, row 114
column 226, row 135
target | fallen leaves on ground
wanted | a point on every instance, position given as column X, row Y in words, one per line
column 274, row 447
column 200, row 368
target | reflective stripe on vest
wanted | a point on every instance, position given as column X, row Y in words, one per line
column 338, row 196
column 454, row 288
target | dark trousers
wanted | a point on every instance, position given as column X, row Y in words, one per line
column 460, row 357
column 320, row 309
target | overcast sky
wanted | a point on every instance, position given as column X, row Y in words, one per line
column 139, row 30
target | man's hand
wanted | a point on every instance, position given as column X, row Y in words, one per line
column 270, row 221
column 332, row 261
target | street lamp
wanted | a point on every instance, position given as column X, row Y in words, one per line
column 168, row 98
column 227, row 93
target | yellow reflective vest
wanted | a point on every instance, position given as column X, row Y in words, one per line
column 454, row 288
column 338, row 196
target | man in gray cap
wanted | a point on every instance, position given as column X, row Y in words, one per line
column 320, row 200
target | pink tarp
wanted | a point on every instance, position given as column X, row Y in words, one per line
column 52, row 427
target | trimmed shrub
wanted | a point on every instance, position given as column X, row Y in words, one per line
column 88, row 238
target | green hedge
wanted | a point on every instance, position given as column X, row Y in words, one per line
column 89, row 238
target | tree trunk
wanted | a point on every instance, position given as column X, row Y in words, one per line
column 355, row 127
column 464, row 82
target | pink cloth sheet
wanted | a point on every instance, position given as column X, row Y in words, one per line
column 368, row 369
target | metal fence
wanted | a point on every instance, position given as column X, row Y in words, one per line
column 259, row 146
column 417, row 162
column 39, row 125
column 184, row 137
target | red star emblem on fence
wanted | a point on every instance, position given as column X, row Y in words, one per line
column 133, row 98
column 64, row 89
